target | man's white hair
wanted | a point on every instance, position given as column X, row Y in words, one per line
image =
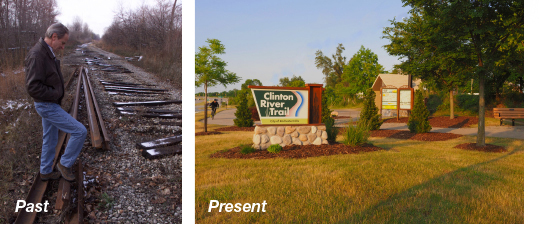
column 57, row 28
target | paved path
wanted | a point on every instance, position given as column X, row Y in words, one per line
column 226, row 118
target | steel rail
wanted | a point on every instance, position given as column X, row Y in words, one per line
column 104, row 132
column 95, row 136
column 64, row 187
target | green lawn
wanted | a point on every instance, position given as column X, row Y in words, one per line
column 408, row 182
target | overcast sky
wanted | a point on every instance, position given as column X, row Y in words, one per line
column 98, row 14
column 268, row 40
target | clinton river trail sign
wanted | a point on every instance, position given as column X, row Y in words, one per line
column 282, row 106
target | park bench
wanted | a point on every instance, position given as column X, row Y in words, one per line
column 509, row 113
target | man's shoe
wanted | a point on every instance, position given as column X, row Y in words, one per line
column 50, row 176
column 66, row 172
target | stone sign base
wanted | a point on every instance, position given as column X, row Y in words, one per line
column 289, row 135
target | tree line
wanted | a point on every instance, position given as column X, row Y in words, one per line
column 346, row 82
column 79, row 32
column 22, row 22
column 154, row 32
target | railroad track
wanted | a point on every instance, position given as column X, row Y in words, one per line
column 132, row 102
column 99, row 139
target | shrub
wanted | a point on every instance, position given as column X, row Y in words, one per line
column 433, row 103
column 513, row 100
column 326, row 113
column 418, row 121
column 357, row 134
column 247, row 149
column 331, row 131
column 274, row 148
column 468, row 102
column 370, row 113
column 243, row 115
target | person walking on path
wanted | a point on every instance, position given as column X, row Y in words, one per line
column 45, row 84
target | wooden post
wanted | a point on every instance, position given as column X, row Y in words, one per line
column 398, row 102
column 315, row 103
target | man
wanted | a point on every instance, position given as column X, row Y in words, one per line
column 214, row 105
column 45, row 83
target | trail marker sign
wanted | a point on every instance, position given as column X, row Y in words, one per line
column 288, row 105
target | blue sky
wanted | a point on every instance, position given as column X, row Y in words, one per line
column 268, row 40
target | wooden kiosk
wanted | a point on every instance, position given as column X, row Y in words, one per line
column 394, row 94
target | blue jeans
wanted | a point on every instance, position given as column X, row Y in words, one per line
column 54, row 118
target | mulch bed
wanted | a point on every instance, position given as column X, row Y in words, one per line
column 295, row 151
column 487, row 148
column 207, row 133
column 442, row 122
column 399, row 134
column 235, row 128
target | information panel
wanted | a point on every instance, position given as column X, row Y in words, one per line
column 282, row 106
column 389, row 98
column 405, row 99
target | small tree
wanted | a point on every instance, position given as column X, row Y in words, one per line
column 210, row 70
column 418, row 121
column 243, row 114
column 327, row 119
column 370, row 113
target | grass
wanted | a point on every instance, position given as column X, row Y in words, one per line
column 12, row 84
column 166, row 65
column 247, row 149
column 408, row 182
column 106, row 202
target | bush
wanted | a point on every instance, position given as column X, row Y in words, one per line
column 326, row 113
column 274, row 148
column 243, row 115
column 433, row 103
column 468, row 102
column 370, row 113
column 357, row 134
column 247, row 149
column 331, row 131
column 514, row 100
column 418, row 121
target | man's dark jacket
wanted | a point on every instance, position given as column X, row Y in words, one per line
column 44, row 80
column 214, row 105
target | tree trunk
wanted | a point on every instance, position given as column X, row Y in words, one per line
column 171, row 24
column 452, row 104
column 205, row 108
column 481, row 136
